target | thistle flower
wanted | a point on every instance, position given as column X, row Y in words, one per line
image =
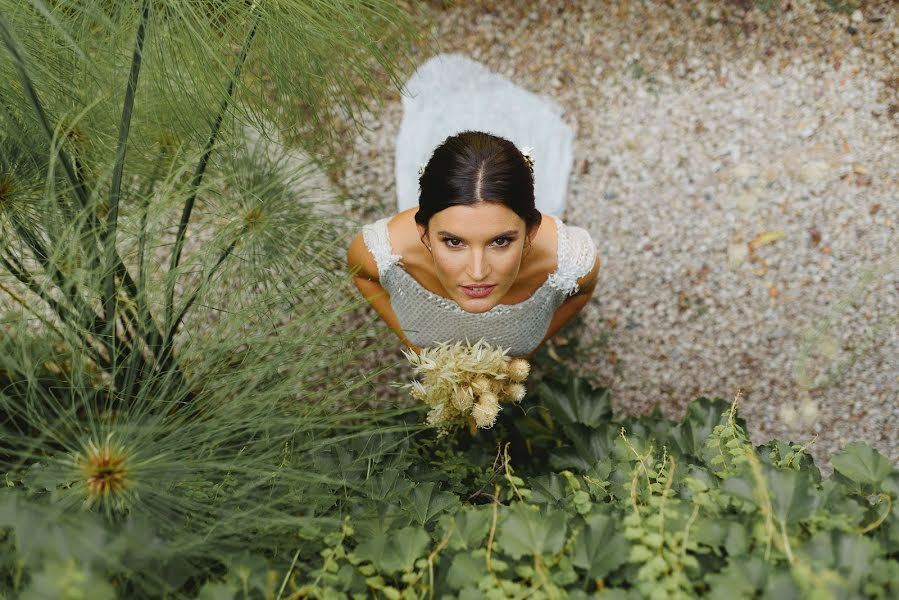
column 485, row 410
column 481, row 385
column 464, row 382
column 463, row 398
column 516, row 392
column 518, row 370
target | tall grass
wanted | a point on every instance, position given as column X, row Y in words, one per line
column 170, row 295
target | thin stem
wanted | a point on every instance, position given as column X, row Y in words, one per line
column 115, row 192
column 38, row 108
column 168, row 344
column 201, row 171
column 62, row 311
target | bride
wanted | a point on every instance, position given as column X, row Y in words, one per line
column 475, row 250
column 475, row 259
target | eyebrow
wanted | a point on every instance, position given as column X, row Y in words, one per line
column 509, row 233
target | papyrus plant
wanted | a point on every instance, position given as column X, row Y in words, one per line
column 168, row 291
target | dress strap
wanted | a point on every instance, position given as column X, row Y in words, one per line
column 378, row 242
column 576, row 257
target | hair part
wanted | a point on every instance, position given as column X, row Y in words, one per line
column 472, row 167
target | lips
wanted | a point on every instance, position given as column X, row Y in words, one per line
column 477, row 291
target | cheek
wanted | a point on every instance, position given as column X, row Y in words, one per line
column 509, row 263
column 448, row 264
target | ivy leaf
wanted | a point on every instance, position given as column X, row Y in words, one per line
column 850, row 553
column 861, row 463
column 388, row 485
column 740, row 486
column 395, row 550
column 524, row 531
column 598, row 549
column 740, row 579
column 465, row 570
column 702, row 415
column 548, row 489
column 793, row 497
column 424, row 504
column 469, row 527
column 576, row 402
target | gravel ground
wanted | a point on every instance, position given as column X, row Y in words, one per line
column 738, row 170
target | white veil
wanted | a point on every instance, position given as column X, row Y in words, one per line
column 451, row 93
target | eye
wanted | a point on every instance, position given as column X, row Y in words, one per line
column 452, row 242
column 502, row 242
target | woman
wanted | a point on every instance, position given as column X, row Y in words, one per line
column 475, row 259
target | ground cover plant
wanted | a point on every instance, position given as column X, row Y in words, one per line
column 564, row 499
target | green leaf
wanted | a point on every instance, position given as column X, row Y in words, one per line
column 576, row 402
column 702, row 415
column 736, row 541
column 395, row 550
column 793, row 496
column 741, row 486
column 217, row 591
column 599, row 549
column 470, row 526
column 466, row 570
column 731, row 583
column 389, row 485
column 548, row 489
column 425, row 504
column 861, row 463
column 523, row 531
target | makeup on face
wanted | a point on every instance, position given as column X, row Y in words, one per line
column 477, row 250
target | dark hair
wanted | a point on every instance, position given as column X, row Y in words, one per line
column 471, row 167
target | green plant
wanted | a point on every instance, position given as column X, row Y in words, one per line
column 170, row 375
column 564, row 499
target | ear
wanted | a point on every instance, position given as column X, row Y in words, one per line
column 422, row 230
column 532, row 231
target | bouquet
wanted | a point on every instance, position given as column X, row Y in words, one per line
column 464, row 383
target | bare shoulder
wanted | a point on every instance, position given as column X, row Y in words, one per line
column 360, row 260
column 404, row 238
column 588, row 282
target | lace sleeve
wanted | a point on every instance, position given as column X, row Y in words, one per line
column 577, row 255
column 378, row 243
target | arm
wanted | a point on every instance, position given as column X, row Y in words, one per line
column 365, row 276
column 572, row 305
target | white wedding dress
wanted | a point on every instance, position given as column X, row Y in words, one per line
column 451, row 93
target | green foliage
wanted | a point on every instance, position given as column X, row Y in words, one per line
column 176, row 372
column 649, row 509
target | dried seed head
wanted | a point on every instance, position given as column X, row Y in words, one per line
column 516, row 392
column 104, row 469
column 482, row 385
column 418, row 390
column 485, row 410
column 518, row 370
column 254, row 219
column 463, row 398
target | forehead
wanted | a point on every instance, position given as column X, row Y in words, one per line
column 481, row 219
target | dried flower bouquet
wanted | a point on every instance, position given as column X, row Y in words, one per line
column 465, row 383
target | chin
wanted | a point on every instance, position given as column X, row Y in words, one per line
column 476, row 305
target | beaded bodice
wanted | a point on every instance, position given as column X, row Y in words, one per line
column 428, row 319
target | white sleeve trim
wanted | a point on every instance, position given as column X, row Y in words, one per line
column 576, row 257
column 377, row 240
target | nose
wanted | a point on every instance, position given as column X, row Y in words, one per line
column 478, row 267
